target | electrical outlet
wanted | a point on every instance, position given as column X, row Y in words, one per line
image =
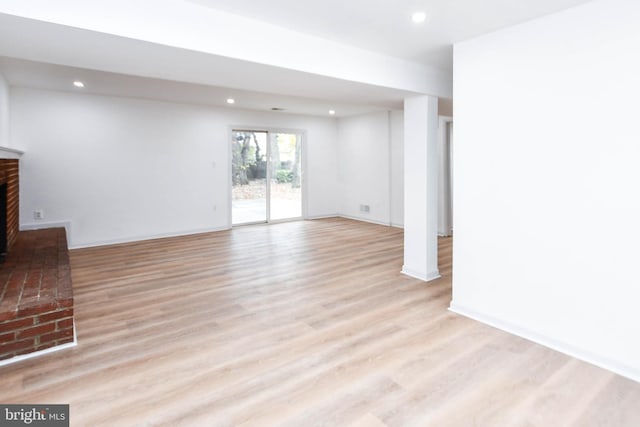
column 38, row 214
column 365, row 208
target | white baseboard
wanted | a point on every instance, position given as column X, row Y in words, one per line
column 322, row 216
column 371, row 221
column 144, row 238
column 42, row 352
column 432, row 275
column 355, row 218
column 72, row 245
column 586, row 356
column 40, row 225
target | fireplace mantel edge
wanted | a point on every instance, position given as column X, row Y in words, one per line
column 10, row 153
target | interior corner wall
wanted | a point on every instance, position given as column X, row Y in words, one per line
column 546, row 177
column 120, row 169
column 4, row 112
column 364, row 154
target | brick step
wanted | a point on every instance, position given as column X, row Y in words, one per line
column 36, row 299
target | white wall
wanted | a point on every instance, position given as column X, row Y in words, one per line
column 120, row 169
column 364, row 166
column 546, row 206
column 4, row 112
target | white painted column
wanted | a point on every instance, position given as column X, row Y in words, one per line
column 421, row 187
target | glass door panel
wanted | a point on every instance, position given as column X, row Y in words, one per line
column 285, row 176
column 249, row 193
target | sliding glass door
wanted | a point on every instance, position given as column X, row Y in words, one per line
column 285, row 184
column 266, row 170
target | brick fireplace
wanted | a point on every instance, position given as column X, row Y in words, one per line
column 9, row 193
column 36, row 298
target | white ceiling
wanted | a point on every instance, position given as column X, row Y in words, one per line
column 384, row 25
column 124, row 66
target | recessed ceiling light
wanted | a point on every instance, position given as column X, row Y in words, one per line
column 78, row 83
column 231, row 101
column 332, row 112
column 419, row 17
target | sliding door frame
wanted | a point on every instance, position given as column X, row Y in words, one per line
column 303, row 176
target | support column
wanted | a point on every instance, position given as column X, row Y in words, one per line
column 421, row 187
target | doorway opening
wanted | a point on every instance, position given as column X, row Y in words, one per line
column 445, row 196
column 445, row 177
column 266, row 176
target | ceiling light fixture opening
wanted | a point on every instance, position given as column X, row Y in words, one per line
column 332, row 112
column 78, row 83
column 231, row 101
column 419, row 17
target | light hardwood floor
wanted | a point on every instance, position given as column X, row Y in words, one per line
column 298, row 324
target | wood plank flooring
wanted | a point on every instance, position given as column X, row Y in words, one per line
column 298, row 324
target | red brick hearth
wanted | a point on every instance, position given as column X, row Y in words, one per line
column 36, row 300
